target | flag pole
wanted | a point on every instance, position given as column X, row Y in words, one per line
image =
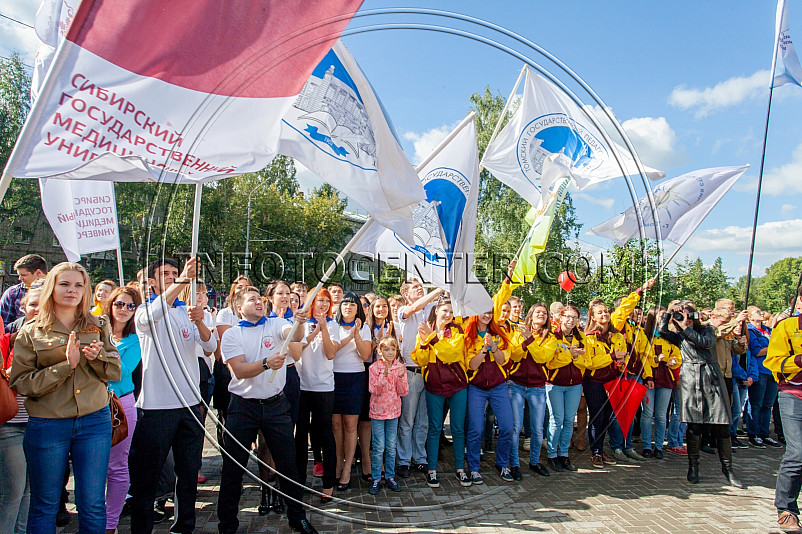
column 757, row 199
column 120, row 266
column 504, row 111
column 312, row 294
column 193, row 297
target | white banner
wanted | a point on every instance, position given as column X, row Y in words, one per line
column 82, row 214
column 681, row 204
column 445, row 225
column 337, row 128
column 549, row 121
column 786, row 67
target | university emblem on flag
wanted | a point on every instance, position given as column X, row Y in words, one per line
column 267, row 342
column 332, row 115
column 446, row 196
column 552, row 133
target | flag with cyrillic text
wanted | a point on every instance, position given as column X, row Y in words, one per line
column 548, row 121
column 338, row 129
column 680, row 206
column 445, row 225
column 185, row 90
column 785, row 64
column 82, row 214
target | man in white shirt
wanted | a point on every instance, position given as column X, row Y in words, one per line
column 168, row 331
column 413, row 425
column 252, row 352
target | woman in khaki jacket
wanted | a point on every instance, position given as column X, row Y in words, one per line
column 62, row 361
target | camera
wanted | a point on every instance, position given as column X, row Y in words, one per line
column 677, row 316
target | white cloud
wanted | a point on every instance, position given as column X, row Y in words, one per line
column 653, row 138
column 427, row 141
column 605, row 202
column 776, row 239
column 724, row 94
column 785, row 180
column 17, row 37
column 786, row 209
column 655, row 141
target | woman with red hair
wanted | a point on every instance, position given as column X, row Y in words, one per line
column 488, row 350
column 316, row 353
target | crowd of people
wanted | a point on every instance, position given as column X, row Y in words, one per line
column 369, row 376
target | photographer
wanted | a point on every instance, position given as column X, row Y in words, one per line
column 703, row 395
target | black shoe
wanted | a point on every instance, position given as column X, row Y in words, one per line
column 657, row 454
column 276, row 503
column 738, row 444
column 555, row 465
column 126, row 511
column 708, row 449
column 160, row 512
column 431, row 480
column 63, row 517
column 421, row 468
column 403, row 471
column 540, row 469
column 303, row 526
column 516, row 473
column 756, row 442
column 264, row 503
column 566, row 464
column 488, row 445
column 771, row 442
column 781, row 439
column 647, row 453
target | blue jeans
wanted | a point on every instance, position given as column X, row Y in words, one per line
column 48, row 444
column 384, row 435
column 499, row 400
column 789, row 476
column 739, row 393
column 15, row 492
column 676, row 428
column 413, row 425
column 435, row 405
column 563, row 402
column 762, row 395
column 535, row 398
column 655, row 404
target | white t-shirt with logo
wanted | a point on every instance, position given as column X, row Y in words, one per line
column 209, row 321
column 347, row 359
column 316, row 371
column 256, row 343
column 226, row 317
column 409, row 330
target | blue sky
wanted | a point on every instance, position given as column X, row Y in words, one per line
column 687, row 79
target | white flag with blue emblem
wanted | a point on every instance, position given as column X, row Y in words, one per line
column 785, row 64
column 445, row 225
column 337, row 128
column 681, row 204
column 546, row 122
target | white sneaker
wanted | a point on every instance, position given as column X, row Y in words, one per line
column 527, row 444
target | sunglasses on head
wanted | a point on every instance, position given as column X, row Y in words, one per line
column 120, row 305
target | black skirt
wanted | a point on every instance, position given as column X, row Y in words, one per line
column 348, row 393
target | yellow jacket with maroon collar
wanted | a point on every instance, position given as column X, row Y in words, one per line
column 442, row 360
column 490, row 373
column 636, row 360
column 529, row 367
column 564, row 369
column 660, row 352
column 784, row 356
column 602, row 366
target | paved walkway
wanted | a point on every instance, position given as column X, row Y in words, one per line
column 651, row 496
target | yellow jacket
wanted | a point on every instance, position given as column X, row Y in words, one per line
column 563, row 369
column 442, row 361
column 662, row 373
column 784, row 356
column 602, row 367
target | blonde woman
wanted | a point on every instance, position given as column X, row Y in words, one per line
column 62, row 361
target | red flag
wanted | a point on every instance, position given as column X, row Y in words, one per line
column 625, row 396
column 195, row 89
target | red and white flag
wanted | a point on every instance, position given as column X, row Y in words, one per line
column 180, row 90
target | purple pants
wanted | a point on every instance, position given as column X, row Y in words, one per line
column 117, row 477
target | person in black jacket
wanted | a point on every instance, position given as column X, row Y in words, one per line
column 703, row 395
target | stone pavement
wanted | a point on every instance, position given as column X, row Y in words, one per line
column 651, row 496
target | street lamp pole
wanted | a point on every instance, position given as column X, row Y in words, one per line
column 248, row 229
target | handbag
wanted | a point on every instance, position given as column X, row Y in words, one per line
column 8, row 399
column 119, row 424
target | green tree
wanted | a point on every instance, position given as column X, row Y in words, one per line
column 773, row 290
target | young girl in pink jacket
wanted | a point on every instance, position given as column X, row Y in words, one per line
column 387, row 382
